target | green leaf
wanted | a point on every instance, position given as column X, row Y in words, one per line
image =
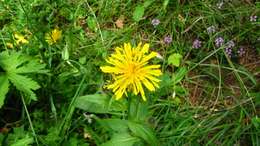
column 31, row 67
column 14, row 65
column 19, row 63
column 138, row 13
column 176, row 100
column 2, row 137
column 117, row 125
column 148, row 3
column 24, row 84
column 11, row 61
column 179, row 75
column 165, row 4
column 256, row 122
column 4, row 86
column 121, row 139
column 181, row 91
column 256, row 98
column 92, row 24
column 24, row 141
column 175, row 59
column 65, row 53
column 138, row 110
column 98, row 103
column 143, row 132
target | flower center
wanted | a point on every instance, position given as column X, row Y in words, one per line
column 132, row 68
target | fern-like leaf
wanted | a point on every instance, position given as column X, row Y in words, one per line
column 24, row 84
column 31, row 67
column 14, row 66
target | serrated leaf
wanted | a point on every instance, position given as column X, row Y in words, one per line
column 121, row 139
column 143, row 132
column 24, row 141
column 175, row 59
column 10, row 62
column 24, row 84
column 98, row 103
column 4, row 86
column 32, row 67
column 14, row 64
column 138, row 13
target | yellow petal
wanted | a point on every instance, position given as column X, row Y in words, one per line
column 141, row 90
column 145, row 48
column 109, row 69
column 148, row 85
column 148, row 57
column 155, row 72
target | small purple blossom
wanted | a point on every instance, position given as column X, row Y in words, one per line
column 211, row 29
column 253, row 18
column 219, row 41
column 230, row 44
column 167, row 39
column 196, row 44
column 228, row 48
column 155, row 22
column 241, row 51
column 228, row 51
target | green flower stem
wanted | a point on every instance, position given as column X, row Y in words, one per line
column 30, row 121
column 67, row 120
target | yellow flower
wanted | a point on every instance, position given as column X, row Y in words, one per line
column 53, row 36
column 130, row 70
column 9, row 45
column 20, row 39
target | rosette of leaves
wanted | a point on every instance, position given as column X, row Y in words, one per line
column 15, row 69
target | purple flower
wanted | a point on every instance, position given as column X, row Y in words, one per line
column 241, row 51
column 196, row 44
column 167, row 39
column 228, row 48
column 228, row 51
column 219, row 41
column 253, row 18
column 230, row 44
column 211, row 29
column 155, row 22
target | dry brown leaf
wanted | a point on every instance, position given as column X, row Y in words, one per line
column 119, row 23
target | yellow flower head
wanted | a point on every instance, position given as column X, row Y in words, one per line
column 53, row 36
column 20, row 39
column 130, row 69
